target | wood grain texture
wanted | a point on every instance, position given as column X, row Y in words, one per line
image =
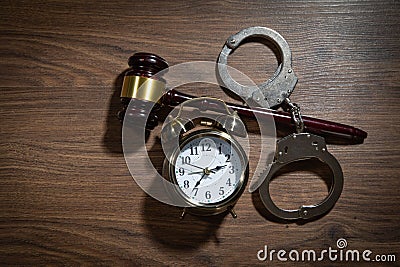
column 66, row 195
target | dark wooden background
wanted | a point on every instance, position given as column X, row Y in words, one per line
column 66, row 195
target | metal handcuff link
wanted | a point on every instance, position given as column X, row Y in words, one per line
column 298, row 146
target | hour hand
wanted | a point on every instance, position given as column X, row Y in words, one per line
column 218, row 168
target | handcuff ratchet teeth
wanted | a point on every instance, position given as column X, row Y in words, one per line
column 276, row 89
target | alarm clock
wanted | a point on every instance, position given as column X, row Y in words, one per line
column 209, row 166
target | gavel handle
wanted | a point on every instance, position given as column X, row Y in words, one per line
column 334, row 133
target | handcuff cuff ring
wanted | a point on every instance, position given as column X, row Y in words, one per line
column 276, row 89
column 298, row 147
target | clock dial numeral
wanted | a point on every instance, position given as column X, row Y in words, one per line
column 195, row 190
column 193, row 151
column 221, row 191
column 206, row 147
column 228, row 182
column 208, row 195
column 181, row 171
column 228, row 158
column 186, row 184
column 231, row 169
column 186, row 160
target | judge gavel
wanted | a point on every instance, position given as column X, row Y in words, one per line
column 144, row 95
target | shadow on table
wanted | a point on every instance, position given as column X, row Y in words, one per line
column 163, row 221
column 164, row 224
column 112, row 139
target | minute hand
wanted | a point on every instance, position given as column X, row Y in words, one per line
column 198, row 167
column 198, row 182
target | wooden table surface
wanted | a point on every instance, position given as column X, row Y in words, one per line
column 66, row 195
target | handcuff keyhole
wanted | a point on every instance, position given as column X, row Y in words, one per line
column 286, row 149
column 314, row 143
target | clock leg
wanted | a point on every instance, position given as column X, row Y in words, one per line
column 183, row 214
column 232, row 212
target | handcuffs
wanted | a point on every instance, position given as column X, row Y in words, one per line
column 298, row 146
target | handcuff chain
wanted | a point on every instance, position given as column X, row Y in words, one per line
column 296, row 115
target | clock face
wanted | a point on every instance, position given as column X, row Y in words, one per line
column 209, row 168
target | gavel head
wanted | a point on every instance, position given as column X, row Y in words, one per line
column 141, row 90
